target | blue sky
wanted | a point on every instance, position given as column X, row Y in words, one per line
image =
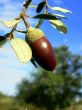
column 11, row 70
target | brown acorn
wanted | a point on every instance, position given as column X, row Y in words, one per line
column 42, row 50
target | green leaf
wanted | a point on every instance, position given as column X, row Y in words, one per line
column 2, row 41
column 40, row 7
column 45, row 16
column 60, row 16
column 57, row 24
column 10, row 23
column 22, row 50
column 60, row 9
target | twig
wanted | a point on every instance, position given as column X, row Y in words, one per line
column 22, row 15
column 25, row 20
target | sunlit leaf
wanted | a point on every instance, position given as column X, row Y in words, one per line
column 10, row 23
column 45, row 16
column 40, row 7
column 22, row 50
column 57, row 24
column 60, row 16
column 60, row 9
column 32, row 6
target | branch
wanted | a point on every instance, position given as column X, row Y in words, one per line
column 22, row 15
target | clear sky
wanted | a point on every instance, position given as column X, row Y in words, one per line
column 11, row 70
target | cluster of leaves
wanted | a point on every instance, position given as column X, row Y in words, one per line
column 57, row 90
column 54, row 19
column 21, row 48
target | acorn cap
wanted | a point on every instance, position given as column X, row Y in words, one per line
column 34, row 34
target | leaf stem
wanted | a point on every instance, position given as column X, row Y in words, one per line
column 20, row 31
column 29, row 16
column 39, row 23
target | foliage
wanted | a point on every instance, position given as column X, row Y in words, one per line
column 54, row 90
column 10, row 103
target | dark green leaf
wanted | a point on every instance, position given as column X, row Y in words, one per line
column 33, row 62
column 46, row 16
column 2, row 41
column 40, row 7
column 2, row 38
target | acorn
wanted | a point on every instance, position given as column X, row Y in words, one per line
column 42, row 50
